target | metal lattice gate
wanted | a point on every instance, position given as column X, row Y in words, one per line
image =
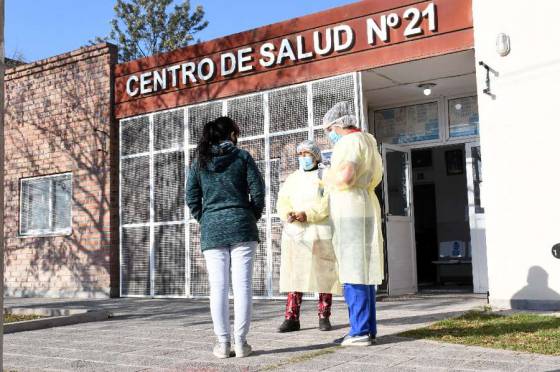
column 160, row 243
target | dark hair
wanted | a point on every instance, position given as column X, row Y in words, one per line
column 213, row 133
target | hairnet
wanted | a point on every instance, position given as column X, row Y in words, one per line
column 311, row 147
column 341, row 115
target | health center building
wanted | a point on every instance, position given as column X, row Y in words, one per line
column 457, row 93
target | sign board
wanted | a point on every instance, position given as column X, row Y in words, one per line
column 345, row 39
column 410, row 22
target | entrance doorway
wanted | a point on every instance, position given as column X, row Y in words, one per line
column 441, row 222
column 424, row 115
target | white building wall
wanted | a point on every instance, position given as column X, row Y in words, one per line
column 520, row 138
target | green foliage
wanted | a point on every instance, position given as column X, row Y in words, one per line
column 10, row 318
column 142, row 28
column 522, row 332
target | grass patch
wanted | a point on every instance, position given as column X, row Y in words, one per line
column 520, row 332
column 11, row 318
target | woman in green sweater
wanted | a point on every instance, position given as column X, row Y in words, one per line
column 226, row 195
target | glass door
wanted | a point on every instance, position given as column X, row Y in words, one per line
column 399, row 221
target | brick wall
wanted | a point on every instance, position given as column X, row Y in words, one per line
column 54, row 108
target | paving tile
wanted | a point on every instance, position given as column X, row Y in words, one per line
column 547, row 359
column 177, row 335
column 491, row 365
column 431, row 362
column 355, row 367
column 198, row 366
column 311, row 365
column 535, row 367
column 16, row 361
column 86, row 365
column 340, row 357
column 506, row 356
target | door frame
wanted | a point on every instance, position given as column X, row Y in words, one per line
column 480, row 284
column 387, row 217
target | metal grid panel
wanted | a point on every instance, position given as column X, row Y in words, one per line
column 192, row 156
column 326, row 93
column 288, row 109
column 261, row 164
column 260, row 268
column 169, row 255
column 199, row 275
column 248, row 113
column 135, row 135
column 279, row 119
column 199, row 116
column 283, row 156
column 255, row 147
column 322, row 140
column 276, row 254
column 169, row 130
column 135, row 261
column 135, row 190
column 169, row 186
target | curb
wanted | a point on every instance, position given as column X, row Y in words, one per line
column 62, row 317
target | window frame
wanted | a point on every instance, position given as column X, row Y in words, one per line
column 443, row 117
column 459, row 139
column 439, row 101
column 50, row 231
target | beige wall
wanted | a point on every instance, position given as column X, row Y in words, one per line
column 520, row 131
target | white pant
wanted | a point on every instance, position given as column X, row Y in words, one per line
column 238, row 257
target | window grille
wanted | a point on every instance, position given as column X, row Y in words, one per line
column 169, row 257
column 200, row 115
column 46, row 205
column 135, row 190
column 160, row 242
column 135, row 261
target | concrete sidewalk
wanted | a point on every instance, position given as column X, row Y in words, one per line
column 177, row 335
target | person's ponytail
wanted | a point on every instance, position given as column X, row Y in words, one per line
column 213, row 133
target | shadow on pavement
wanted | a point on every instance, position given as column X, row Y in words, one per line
column 294, row 349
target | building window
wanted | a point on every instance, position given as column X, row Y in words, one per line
column 46, row 204
column 463, row 117
column 415, row 123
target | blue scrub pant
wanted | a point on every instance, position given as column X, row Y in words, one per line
column 360, row 299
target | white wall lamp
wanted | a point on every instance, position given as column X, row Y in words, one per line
column 427, row 88
column 503, row 44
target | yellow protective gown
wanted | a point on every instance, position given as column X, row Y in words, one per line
column 308, row 262
column 354, row 208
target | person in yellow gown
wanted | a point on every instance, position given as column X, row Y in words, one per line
column 308, row 263
column 356, row 170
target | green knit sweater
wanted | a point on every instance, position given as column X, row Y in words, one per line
column 227, row 198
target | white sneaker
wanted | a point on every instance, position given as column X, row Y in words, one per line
column 356, row 341
column 243, row 350
column 222, row 350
